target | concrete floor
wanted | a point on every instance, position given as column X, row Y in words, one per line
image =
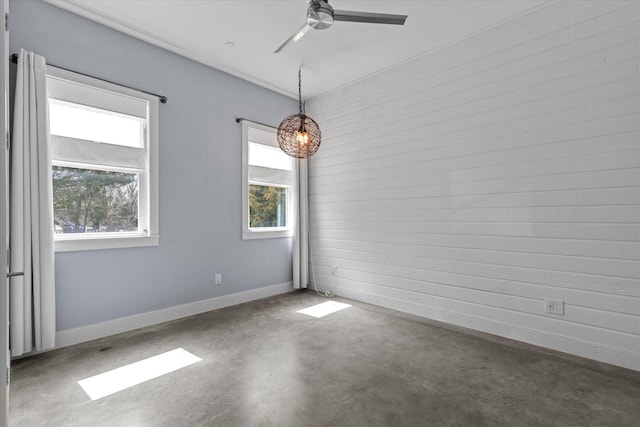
column 266, row 365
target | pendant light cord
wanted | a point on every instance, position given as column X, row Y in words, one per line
column 300, row 89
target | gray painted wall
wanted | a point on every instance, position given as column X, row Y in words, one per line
column 200, row 175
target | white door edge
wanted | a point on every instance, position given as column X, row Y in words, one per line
column 5, row 359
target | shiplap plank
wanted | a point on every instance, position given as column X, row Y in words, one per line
column 443, row 184
column 571, row 247
column 592, row 214
column 555, row 214
column 620, row 286
column 614, row 232
column 560, row 198
column 415, row 256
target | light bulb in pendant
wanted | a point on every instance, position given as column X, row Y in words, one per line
column 302, row 137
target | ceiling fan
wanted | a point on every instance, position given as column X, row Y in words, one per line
column 320, row 15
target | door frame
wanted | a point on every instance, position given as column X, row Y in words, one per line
column 5, row 359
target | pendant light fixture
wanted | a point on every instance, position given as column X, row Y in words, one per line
column 298, row 134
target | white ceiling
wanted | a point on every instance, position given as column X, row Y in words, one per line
column 331, row 58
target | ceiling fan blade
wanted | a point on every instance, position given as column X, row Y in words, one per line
column 372, row 18
column 294, row 38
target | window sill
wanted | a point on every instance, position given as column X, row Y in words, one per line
column 250, row 234
column 111, row 242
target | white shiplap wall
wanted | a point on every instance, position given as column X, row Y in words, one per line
column 469, row 184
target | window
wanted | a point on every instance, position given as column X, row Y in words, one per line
column 104, row 157
column 268, row 197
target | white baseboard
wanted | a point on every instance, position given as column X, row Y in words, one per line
column 99, row 330
column 569, row 345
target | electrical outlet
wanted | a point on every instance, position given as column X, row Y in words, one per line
column 555, row 306
column 333, row 270
column 218, row 279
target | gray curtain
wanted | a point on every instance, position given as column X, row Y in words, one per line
column 32, row 296
column 301, row 231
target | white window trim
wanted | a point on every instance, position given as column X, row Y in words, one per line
column 83, row 243
column 151, row 237
column 264, row 232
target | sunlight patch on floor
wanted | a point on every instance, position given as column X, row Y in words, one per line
column 136, row 373
column 323, row 309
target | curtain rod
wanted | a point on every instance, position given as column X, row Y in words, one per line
column 239, row 119
column 163, row 99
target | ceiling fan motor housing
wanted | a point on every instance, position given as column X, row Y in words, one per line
column 319, row 15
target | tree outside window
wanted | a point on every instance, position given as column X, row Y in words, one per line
column 86, row 200
column 267, row 206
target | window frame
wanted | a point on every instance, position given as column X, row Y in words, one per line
column 148, row 205
column 249, row 233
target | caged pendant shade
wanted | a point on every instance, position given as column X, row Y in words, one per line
column 298, row 134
